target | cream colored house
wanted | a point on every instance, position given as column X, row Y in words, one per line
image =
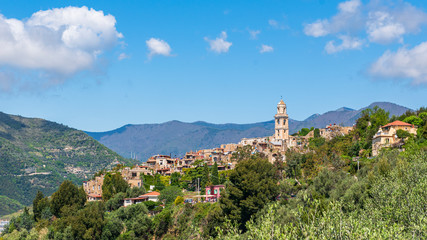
column 386, row 135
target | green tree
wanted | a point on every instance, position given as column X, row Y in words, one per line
column 113, row 183
column 88, row 222
column 36, row 209
column 115, row 202
column 252, row 184
column 135, row 192
column 368, row 124
column 135, row 219
column 67, row 195
column 205, row 181
column 178, row 200
column 175, row 179
column 402, row 134
column 414, row 120
column 158, row 182
column 169, row 194
column 305, row 131
column 112, row 229
column 214, row 174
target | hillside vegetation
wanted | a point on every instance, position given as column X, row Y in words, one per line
column 36, row 154
column 332, row 190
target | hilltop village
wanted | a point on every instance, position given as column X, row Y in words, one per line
column 273, row 147
column 361, row 173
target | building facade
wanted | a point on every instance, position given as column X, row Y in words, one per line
column 387, row 135
column 213, row 193
column 281, row 123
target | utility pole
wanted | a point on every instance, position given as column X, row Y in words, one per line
column 358, row 164
column 198, row 187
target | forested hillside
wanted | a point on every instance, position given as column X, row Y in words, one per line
column 36, row 154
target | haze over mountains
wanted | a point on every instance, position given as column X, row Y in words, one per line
column 176, row 138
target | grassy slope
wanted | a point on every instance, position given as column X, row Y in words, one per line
column 29, row 147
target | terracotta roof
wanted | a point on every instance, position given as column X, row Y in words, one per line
column 151, row 194
column 137, row 198
column 94, row 195
column 398, row 123
column 281, row 102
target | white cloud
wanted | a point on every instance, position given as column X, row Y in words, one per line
column 254, row 33
column 317, row 29
column 123, row 56
column 158, row 47
column 219, row 44
column 378, row 21
column 273, row 23
column 61, row 41
column 404, row 63
column 349, row 6
column 348, row 18
column 347, row 42
column 383, row 28
column 266, row 48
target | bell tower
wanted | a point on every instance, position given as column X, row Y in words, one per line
column 281, row 123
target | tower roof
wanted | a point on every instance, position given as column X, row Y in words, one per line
column 281, row 102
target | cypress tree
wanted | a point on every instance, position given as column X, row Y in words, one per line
column 214, row 174
column 36, row 208
column 205, row 177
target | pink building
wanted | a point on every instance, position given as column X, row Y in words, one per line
column 213, row 192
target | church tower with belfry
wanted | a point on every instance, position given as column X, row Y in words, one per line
column 281, row 128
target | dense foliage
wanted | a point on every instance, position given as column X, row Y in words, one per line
column 330, row 190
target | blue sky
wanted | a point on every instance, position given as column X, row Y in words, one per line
column 97, row 65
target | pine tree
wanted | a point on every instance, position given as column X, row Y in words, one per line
column 36, row 208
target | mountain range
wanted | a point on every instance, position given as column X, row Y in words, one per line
column 176, row 138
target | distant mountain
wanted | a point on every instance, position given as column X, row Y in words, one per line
column 36, row 154
column 177, row 137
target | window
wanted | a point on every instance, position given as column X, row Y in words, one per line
column 93, row 187
column 99, row 187
column 209, row 192
column 215, row 191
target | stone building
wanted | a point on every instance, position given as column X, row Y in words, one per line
column 133, row 176
column 94, row 186
column 387, row 135
column 334, row 130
